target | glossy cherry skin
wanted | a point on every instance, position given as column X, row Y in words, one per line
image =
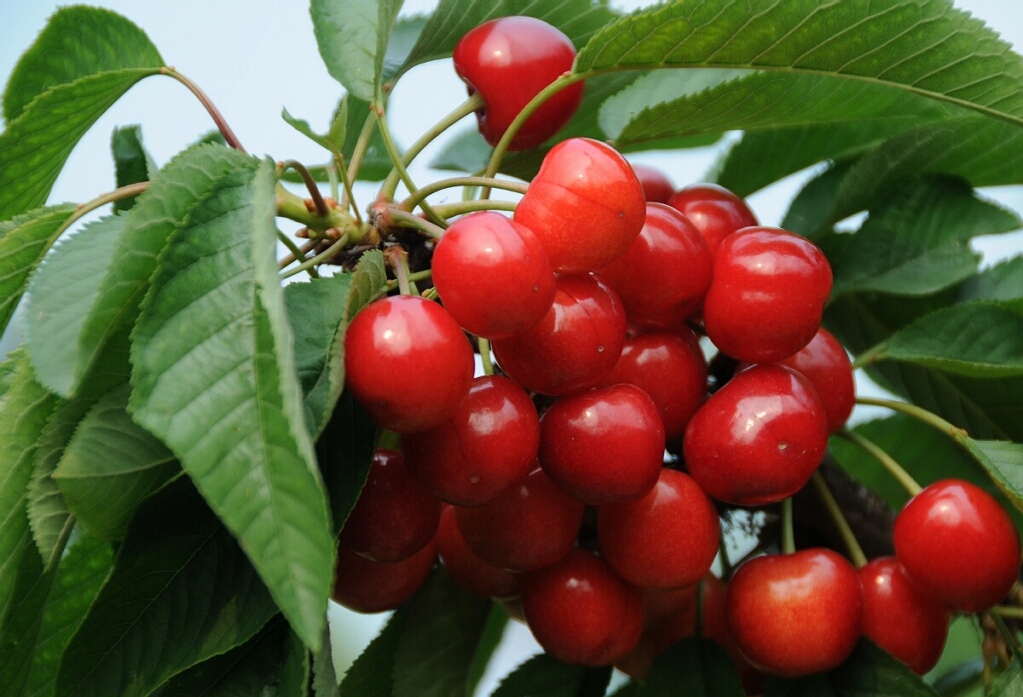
column 795, row 614
column 959, row 545
column 826, row 365
column 714, row 210
column 574, row 346
column 664, row 275
column 671, row 368
column 758, row 439
column 466, row 567
column 509, row 61
column 532, row 526
column 581, row 612
column 768, row 294
column 368, row 586
column 585, row 204
column 666, row 539
column 487, row 447
column 395, row 515
column 899, row 618
column 657, row 186
column 408, row 363
column 493, row 275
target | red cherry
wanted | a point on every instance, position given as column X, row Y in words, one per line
column 574, row 346
column 365, row 585
column 899, row 618
column 408, row 363
column 795, row 614
column 465, row 566
column 826, row 365
column 666, row 539
column 493, row 275
column 509, row 61
column 758, row 439
column 959, row 545
column 585, row 204
column 768, row 294
column 664, row 275
column 395, row 515
column 532, row 526
column 487, row 447
column 580, row 612
column 714, row 210
column 657, row 187
column 604, row 445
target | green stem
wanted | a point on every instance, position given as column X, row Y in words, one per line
column 917, row 413
column 392, row 152
column 450, row 210
column 788, row 537
column 413, row 277
column 1010, row 611
column 318, row 259
column 296, row 251
column 397, row 259
column 225, row 130
column 851, row 544
column 488, row 363
column 302, row 251
column 414, row 221
column 876, row 353
column 310, row 185
column 294, row 208
column 412, row 201
column 361, row 147
column 1009, row 637
column 332, row 177
column 889, row 463
column 348, row 202
column 84, row 209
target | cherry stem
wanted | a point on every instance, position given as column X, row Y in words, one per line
column 406, row 219
column 118, row 194
column 412, row 201
column 225, row 130
column 294, row 207
column 488, row 364
column 359, row 152
column 872, row 355
column 1010, row 639
column 835, row 511
column 392, row 152
column 348, row 201
column 310, row 184
column 412, row 277
column 467, row 107
column 302, row 251
column 296, row 252
column 1010, row 611
column 788, row 537
column 450, row 210
column 397, row 259
column 323, row 256
column 889, row 463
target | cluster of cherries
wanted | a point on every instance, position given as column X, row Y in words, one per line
column 593, row 296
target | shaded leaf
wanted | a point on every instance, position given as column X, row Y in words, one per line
column 352, row 36
column 493, row 632
column 333, row 139
column 1004, row 462
column 132, row 163
column 465, row 152
column 371, row 673
column 812, row 205
column 324, row 676
column 545, row 676
column 1008, row 683
column 1002, row 283
column 345, row 451
column 22, row 618
column 869, row 672
column 697, row 667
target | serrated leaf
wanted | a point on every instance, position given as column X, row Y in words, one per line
column 1008, row 683
column 490, row 638
column 181, row 591
column 545, row 676
column 110, row 465
column 132, row 163
column 1003, row 460
column 697, row 667
column 331, row 141
column 1002, row 283
column 214, row 378
column 22, row 618
column 869, row 672
column 352, row 36
column 23, row 242
column 370, row 675
column 324, row 677
column 435, row 651
column 811, row 208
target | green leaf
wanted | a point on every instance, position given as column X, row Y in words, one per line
column 371, row 673
column 23, row 242
column 333, row 139
column 110, row 465
column 465, row 152
column 490, row 638
column 132, row 163
column 545, row 676
column 1002, row 283
column 1008, row 683
column 214, row 378
column 869, row 672
column 442, row 630
column 324, row 676
column 810, row 209
column 22, row 618
column 1004, row 462
column 928, row 48
column 181, row 591
column 352, row 36
column 376, row 163
column 697, row 667
column 917, row 242
column 345, row 453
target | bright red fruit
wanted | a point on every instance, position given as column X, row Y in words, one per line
column 408, row 363
column 493, row 275
column 532, row 526
column 666, row 539
column 758, row 439
column 509, row 61
column 657, row 187
column 585, row 204
column 664, row 275
column 826, row 365
column 364, row 585
column 795, row 614
column 465, row 566
column 603, row 445
column 580, row 612
column 487, row 447
column 395, row 515
column 671, row 368
column 959, row 545
column 899, row 618
column 574, row 346
column 768, row 294
column 714, row 210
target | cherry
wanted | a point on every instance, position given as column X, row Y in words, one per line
column 826, row 365
column 580, row 612
column 465, row 566
column 574, row 346
column 768, row 294
column 395, row 515
column 509, row 61
column 899, row 618
column 408, row 363
column 666, row 539
column 758, row 439
column 959, row 545
column 668, row 366
column 365, row 585
column 532, row 526
column 664, row 275
column 487, row 447
column 795, row 614
column 585, row 204
column 714, row 210
column 493, row 275
column 604, row 445
column 657, row 187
